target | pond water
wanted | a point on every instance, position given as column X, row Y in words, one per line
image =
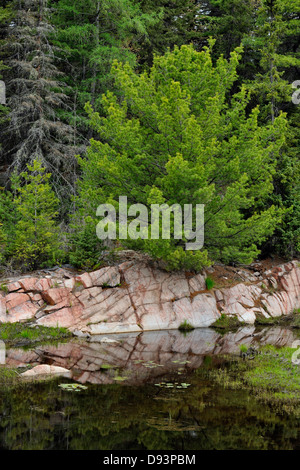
column 151, row 391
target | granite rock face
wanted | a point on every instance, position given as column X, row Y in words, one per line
column 135, row 297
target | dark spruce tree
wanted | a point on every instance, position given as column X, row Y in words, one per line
column 90, row 35
column 274, row 41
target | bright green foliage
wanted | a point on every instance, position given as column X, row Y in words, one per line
column 209, row 282
column 37, row 238
column 8, row 218
column 2, row 243
column 176, row 138
column 5, row 13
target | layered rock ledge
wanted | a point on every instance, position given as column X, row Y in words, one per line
column 136, row 296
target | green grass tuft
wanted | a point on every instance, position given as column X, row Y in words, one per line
column 185, row 326
column 13, row 333
column 209, row 283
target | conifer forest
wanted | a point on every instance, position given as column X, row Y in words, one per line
column 166, row 102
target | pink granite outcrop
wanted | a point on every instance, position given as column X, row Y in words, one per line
column 135, row 296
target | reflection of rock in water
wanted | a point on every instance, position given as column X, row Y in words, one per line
column 146, row 356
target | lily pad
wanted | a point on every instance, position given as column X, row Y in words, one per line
column 184, row 385
column 119, row 378
column 175, row 385
column 73, row 387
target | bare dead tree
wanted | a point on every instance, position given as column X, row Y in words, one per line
column 35, row 93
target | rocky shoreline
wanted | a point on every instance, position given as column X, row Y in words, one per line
column 137, row 296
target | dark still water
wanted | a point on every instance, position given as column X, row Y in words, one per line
column 144, row 392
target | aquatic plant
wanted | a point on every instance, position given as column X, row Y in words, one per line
column 73, row 387
column 176, row 385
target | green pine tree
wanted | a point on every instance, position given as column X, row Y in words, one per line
column 274, row 42
column 179, row 22
column 37, row 236
column 91, row 34
column 8, row 220
column 175, row 137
